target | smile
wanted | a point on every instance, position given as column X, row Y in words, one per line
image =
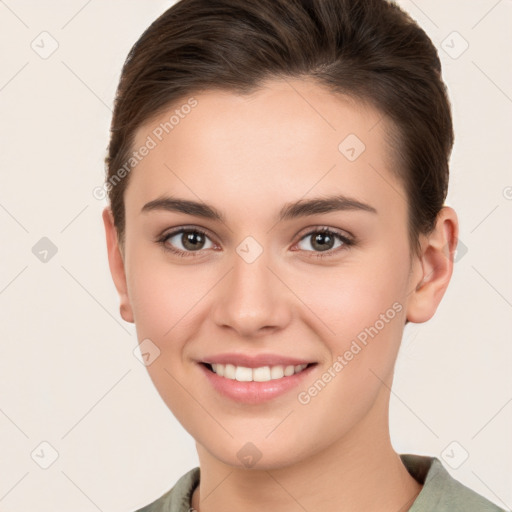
column 254, row 385
column 260, row 374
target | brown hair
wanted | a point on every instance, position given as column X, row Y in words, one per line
column 370, row 50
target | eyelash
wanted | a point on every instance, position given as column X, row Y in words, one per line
column 347, row 242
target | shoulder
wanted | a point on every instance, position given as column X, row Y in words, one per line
column 441, row 492
column 176, row 499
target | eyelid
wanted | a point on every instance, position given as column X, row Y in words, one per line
column 319, row 228
column 167, row 233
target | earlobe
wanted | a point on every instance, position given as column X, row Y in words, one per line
column 434, row 268
column 116, row 264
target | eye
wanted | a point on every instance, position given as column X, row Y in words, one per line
column 185, row 241
column 190, row 242
column 324, row 241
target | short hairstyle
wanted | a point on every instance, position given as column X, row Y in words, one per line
column 370, row 50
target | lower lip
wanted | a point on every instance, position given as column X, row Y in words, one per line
column 254, row 392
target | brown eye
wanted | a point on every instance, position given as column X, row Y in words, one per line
column 324, row 241
column 192, row 240
column 186, row 241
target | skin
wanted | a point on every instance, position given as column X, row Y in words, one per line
column 248, row 156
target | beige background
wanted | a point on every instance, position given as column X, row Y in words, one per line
column 68, row 373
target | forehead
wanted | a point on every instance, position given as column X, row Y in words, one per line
column 286, row 140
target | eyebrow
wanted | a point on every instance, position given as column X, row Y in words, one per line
column 301, row 208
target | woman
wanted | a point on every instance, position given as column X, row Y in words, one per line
column 277, row 172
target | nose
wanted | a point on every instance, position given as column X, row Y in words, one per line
column 252, row 299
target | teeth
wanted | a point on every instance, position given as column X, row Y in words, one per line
column 261, row 374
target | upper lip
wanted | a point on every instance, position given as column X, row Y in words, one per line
column 254, row 361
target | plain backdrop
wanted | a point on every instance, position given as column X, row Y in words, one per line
column 82, row 427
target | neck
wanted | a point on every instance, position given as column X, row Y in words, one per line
column 359, row 472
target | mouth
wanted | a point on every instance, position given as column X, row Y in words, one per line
column 253, row 386
column 259, row 374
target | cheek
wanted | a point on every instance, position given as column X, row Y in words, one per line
column 166, row 301
column 360, row 314
column 359, row 310
column 165, row 297
column 352, row 296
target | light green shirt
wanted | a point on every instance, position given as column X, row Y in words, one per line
column 440, row 492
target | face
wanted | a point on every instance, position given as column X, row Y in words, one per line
column 280, row 273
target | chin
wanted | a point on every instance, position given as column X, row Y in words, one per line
column 259, row 454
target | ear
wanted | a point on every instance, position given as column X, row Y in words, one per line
column 434, row 268
column 116, row 264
